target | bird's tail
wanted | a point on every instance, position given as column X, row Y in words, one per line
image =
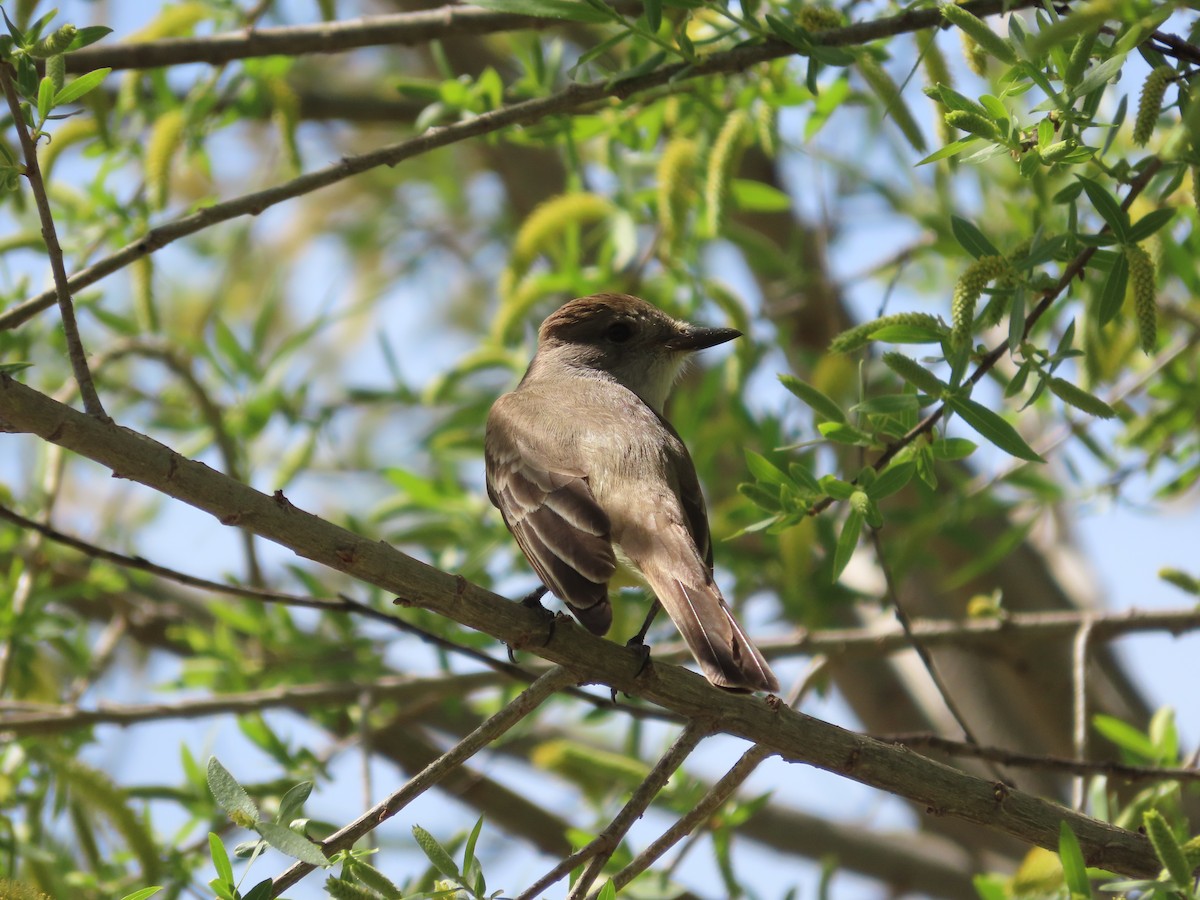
column 727, row 656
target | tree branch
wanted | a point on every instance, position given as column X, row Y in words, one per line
column 793, row 736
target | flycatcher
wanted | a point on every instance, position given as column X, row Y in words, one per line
column 586, row 472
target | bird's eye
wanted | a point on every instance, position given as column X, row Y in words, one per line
column 619, row 332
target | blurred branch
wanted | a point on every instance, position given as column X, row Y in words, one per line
column 673, row 77
column 404, row 688
column 320, row 37
column 520, row 707
column 941, row 789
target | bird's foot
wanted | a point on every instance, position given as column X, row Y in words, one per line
column 532, row 600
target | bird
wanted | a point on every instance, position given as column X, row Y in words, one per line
column 590, row 477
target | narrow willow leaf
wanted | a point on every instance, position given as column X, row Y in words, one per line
column 821, row 404
column 993, row 427
column 971, row 238
column 846, row 544
column 1108, row 207
column 1113, row 293
column 297, row 846
column 1073, row 866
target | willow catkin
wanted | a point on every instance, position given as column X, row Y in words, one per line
column 967, row 292
column 1142, row 285
column 1150, row 104
column 55, row 43
column 722, row 163
column 675, row 176
column 914, row 373
column 1079, row 398
column 980, row 33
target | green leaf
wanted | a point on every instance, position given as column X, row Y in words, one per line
column 608, row 892
column 1125, row 736
column 45, row 100
column 142, row 893
column 653, row 10
column 971, row 238
column 900, row 333
column 992, row 427
column 230, row 795
column 568, row 10
column 764, row 470
column 220, row 859
column 893, row 479
column 754, row 196
column 89, row 34
column 1073, row 865
column 836, row 488
column 1108, row 208
column 12, row 367
column 819, row 403
column 846, row 544
column 888, row 405
column 80, row 86
column 1150, row 223
column 297, row 846
column 436, row 853
column 293, row 801
column 804, row 478
column 1113, row 293
column 952, row 448
column 841, row 433
column 261, row 891
column 952, row 149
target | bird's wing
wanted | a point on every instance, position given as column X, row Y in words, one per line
column 550, row 510
column 668, row 539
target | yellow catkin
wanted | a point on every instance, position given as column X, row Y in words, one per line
column 55, row 43
column 141, row 275
column 1150, row 104
column 1080, row 399
column 1196, row 187
column 937, row 71
column 286, row 116
column 980, row 33
column 967, row 292
column 975, row 55
column 1080, row 54
column 818, row 17
column 860, row 335
column 723, row 161
column 676, row 188
column 765, row 128
column 548, row 220
column 886, row 90
column 1167, row 849
column 1142, row 286
column 914, row 373
column 56, row 70
column 166, row 137
column 971, row 123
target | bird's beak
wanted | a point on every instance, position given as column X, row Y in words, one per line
column 693, row 337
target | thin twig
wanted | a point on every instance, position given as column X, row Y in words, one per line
column 62, row 291
column 923, row 651
column 521, row 706
column 720, row 792
column 600, row 850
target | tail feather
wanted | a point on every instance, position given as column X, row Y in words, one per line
column 727, row 656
